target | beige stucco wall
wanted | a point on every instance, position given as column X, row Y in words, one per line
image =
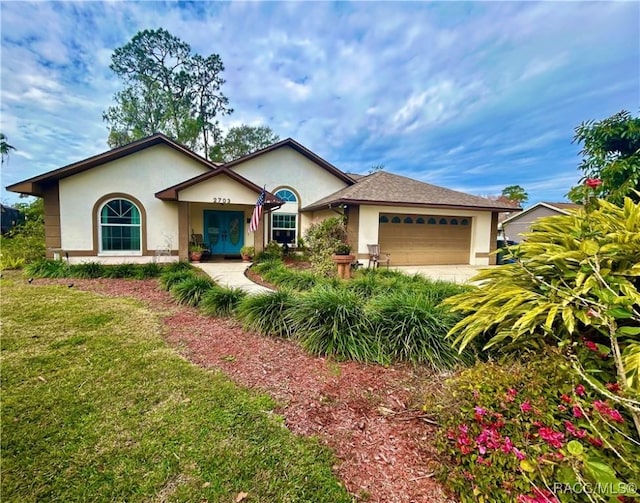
column 285, row 167
column 140, row 175
column 480, row 227
column 220, row 186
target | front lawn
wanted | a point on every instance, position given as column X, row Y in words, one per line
column 96, row 406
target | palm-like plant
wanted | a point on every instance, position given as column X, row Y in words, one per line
column 5, row 148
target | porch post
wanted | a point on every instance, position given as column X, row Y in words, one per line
column 493, row 244
column 258, row 235
column 183, row 230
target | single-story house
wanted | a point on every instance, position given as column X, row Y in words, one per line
column 146, row 199
column 516, row 225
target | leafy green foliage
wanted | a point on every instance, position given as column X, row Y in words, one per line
column 221, row 301
column 240, row 141
column 333, row 321
column 322, row 239
column 47, row 269
column 87, row 270
column 576, row 277
column 148, row 270
column 177, row 266
column 25, row 242
column 515, row 193
column 167, row 89
column 5, row 148
column 169, row 278
column 124, row 270
column 610, row 153
column 267, row 313
column 527, row 429
column 412, row 328
column 192, row 290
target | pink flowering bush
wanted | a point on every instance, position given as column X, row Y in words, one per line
column 532, row 432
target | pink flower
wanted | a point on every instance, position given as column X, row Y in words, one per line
column 507, row 447
column 580, row 390
column 595, row 441
column 519, row 454
column 562, row 408
column 616, row 416
column 479, row 412
column 526, row 407
column 591, row 345
column 553, row 438
column 566, row 398
column 577, row 412
column 593, row 182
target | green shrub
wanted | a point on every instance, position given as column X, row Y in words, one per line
column 191, row 290
column 47, row 269
column 11, row 262
column 267, row 313
column 177, row 266
column 87, row 270
column 148, row 270
column 221, row 301
column 332, row 321
column 170, row 278
column 118, row 271
column 322, row 239
column 525, row 430
column 273, row 251
column 411, row 328
column 25, row 243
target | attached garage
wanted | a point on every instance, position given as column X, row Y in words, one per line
column 425, row 239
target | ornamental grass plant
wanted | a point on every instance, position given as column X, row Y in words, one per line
column 192, row 290
column 267, row 313
column 221, row 301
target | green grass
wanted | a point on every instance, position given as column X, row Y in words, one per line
column 96, row 407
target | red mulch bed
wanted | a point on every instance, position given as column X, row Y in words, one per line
column 368, row 414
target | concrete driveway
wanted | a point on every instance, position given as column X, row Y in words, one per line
column 454, row 273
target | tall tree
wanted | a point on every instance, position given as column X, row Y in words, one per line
column 516, row 194
column 5, row 148
column 611, row 155
column 167, row 89
column 242, row 140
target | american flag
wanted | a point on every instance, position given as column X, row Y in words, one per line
column 257, row 213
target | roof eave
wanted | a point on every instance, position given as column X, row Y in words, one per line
column 341, row 201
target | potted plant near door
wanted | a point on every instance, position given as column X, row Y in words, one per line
column 195, row 252
column 246, row 252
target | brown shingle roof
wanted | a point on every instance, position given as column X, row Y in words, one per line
column 389, row 189
column 564, row 206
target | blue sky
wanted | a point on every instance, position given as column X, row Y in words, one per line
column 473, row 96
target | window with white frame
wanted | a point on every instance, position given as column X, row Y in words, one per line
column 284, row 221
column 120, row 227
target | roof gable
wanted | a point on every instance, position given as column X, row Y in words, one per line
column 560, row 208
column 385, row 188
column 35, row 185
column 301, row 149
column 171, row 193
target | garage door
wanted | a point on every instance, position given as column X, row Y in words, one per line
column 425, row 239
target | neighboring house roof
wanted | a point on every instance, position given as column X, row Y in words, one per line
column 384, row 188
column 561, row 208
column 34, row 186
column 290, row 142
column 171, row 193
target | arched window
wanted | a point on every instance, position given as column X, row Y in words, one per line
column 408, row 220
column 396, row 220
column 431, row 221
column 419, row 220
column 443, row 221
column 383, row 220
column 464, row 221
column 284, row 221
column 454, row 221
column 120, row 227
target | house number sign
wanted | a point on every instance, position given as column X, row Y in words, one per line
column 221, row 200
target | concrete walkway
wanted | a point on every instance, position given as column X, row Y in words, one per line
column 230, row 273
